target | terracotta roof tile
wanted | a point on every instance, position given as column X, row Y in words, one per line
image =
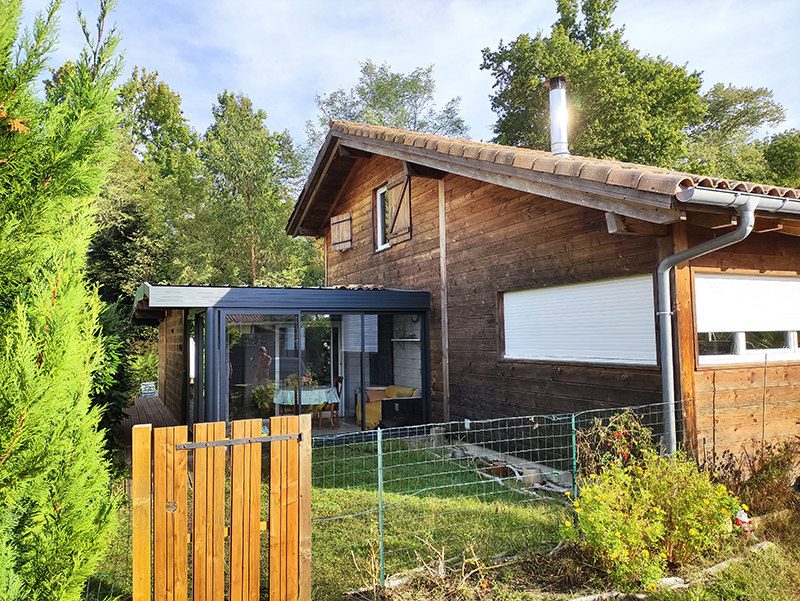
column 505, row 157
column 523, row 160
column 614, row 173
column 596, row 172
column 546, row 163
column 569, row 167
column 621, row 176
column 488, row 154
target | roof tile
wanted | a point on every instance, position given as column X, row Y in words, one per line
column 505, row 157
column 613, row 173
column 627, row 178
column 571, row 167
column 524, row 160
column 596, row 172
column 488, row 153
column 546, row 163
column 472, row 151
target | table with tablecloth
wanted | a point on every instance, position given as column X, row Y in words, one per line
column 311, row 398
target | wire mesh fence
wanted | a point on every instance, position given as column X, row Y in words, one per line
column 384, row 501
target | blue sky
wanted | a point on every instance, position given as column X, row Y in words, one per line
column 281, row 52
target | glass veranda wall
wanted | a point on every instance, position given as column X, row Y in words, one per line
column 337, row 366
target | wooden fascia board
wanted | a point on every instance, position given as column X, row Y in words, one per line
column 320, row 171
column 342, row 191
column 647, row 206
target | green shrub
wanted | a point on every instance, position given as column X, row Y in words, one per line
column 622, row 438
column 143, row 368
column 262, row 397
column 640, row 517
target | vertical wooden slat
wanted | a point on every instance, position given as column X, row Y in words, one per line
column 159, row 514
column 218, row 511
column 255, row 511
column 170, row 516
column 292, row 510
column 180, row 515
column 237, row 512
column 200, row 571
column 275, row 510
column 141, row 501
column 304, row 525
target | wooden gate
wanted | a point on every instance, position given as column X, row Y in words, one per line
column 161, row 511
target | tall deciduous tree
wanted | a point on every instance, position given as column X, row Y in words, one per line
column 782, row 153
column 623, row 105
column 236, row 236
column 56, row 505
column 724, row 143
column 400, row 100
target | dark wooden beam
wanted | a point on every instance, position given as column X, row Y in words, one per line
column 417, row 170
column 765, row 224
column 713, row 221
column 628, row 226
column 791, row 228
column 346, row 151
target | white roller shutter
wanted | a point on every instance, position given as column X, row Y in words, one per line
column 612, row 321
column 746, row 303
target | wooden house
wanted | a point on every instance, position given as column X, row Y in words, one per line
column 542, row 273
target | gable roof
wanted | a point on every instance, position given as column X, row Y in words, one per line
column 640, row 191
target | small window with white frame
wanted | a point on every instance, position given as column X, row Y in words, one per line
column 746, row 318
column 382, row 218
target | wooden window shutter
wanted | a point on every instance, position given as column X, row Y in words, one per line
column 399, row 191
column 342, row 232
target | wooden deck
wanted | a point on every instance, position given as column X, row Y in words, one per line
column 146, row 410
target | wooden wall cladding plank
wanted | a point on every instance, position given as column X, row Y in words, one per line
column 735, row 405
column 497, row 239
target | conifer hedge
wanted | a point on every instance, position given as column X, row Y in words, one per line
column 56, row 500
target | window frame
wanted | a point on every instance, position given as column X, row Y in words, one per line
column 381, row 213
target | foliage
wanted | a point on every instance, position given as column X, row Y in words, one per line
column 622, row 105
column 56, row 505
column 782, row 154
column 236, row 236
column 262, row 397
column 110, row 391
column 724, row 145
column 622, row 439
column 143, row 368
column 641, row 516
column 763, row 475
column 399, row 100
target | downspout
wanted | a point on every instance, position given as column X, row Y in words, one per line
column 745, row 205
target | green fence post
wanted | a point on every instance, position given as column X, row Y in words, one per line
column 574, row 460
column 380, row 501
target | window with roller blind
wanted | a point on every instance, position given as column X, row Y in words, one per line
column 746, row 318
column 610, row 321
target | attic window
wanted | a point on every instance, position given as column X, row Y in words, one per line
column 393, row 212
column 342, row 232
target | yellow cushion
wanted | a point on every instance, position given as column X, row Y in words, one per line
column 398, row 391
column 373, row 415
column 375, row 395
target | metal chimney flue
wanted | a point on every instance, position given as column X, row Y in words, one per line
column 559, row 140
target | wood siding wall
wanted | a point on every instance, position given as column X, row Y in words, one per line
column 736, row 405
column 497, row 240
column 171, row 365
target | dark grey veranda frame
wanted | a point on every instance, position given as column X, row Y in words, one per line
column 208, row 306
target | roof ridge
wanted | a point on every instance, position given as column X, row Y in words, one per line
column 606, row 171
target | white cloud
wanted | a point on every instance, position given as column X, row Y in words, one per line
column 282, row 52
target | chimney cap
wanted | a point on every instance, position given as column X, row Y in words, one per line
column 559, row 81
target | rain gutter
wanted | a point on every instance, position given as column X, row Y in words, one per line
column 745, row 205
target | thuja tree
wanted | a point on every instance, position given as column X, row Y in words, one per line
column 56, row 505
